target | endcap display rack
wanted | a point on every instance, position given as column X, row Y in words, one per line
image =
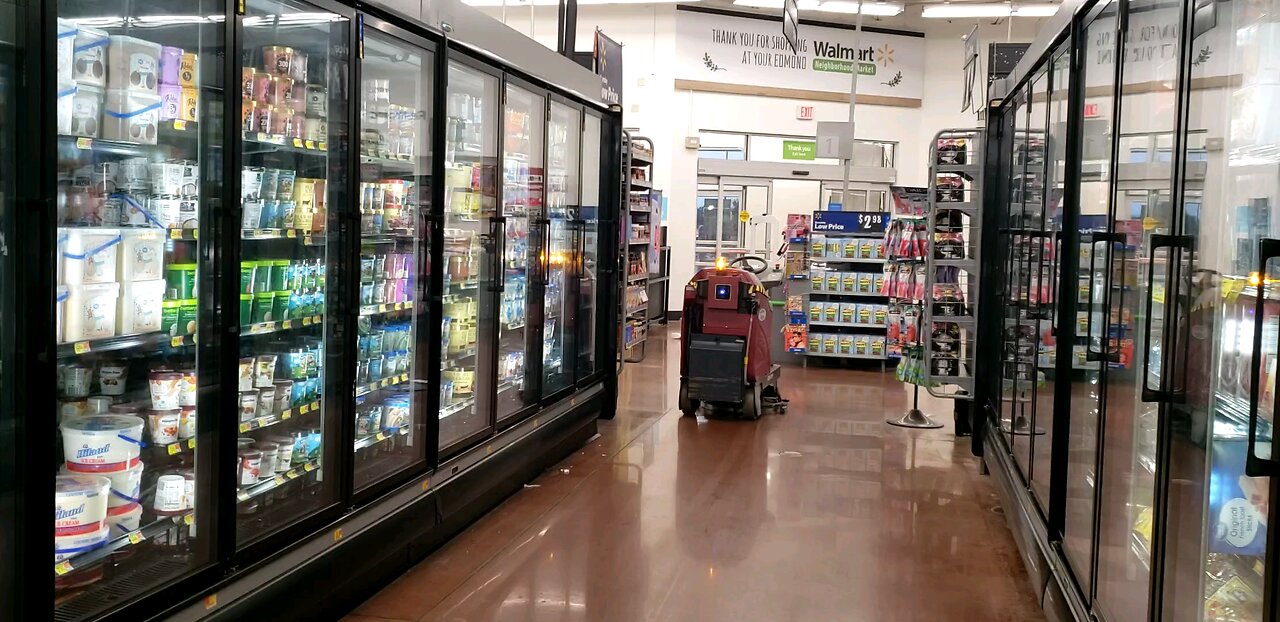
column 951, row 281
column 846, row 272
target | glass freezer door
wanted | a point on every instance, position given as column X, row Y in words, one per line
column 524, row 122
column 395, row 168
column 140, row 96
column 564, row 133
column 295, row 64
column 12, row 22
column 470, row 250
column 589, row 267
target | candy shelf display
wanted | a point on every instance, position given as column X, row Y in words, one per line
column 951, row 285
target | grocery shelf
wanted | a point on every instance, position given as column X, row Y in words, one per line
column 635, row 310
column 390, row 307
column 272, row 143
column 367, row 388
column 168, row 132
column 461, row 354
column 279, row 479
column 636, row 278
column 266, row 328
column 847, row 324
column 267, row 233
column 154, row 340
column 405, row 165
column 846, row 260
column 870, row 357
column 374, row 439
column 456, row 407
column 849, row 294
column 138, row 536
column 639, row 184
column 269, row 420
column 638, row 241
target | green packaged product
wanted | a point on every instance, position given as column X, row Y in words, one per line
column 262, row 277
column 169, row 317
column 262, row 303
column 187, row 313
column 280, row 274
column 246, row 308
column 180, row 281
column 248, row 269
column 280, row 306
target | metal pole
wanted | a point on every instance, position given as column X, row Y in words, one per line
column 853, row 102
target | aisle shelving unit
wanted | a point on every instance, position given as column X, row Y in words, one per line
column 846, row 257
column 641, row 228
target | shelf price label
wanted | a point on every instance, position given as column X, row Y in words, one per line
column 286, row 415
column 309, row 467
column 306, row 321
column 173, row 449
column 136, row 537
column 245, row 427
column 310, row 144
column 279, row 479
column 176, row 342
column 189, row 518
column 297, row 143
column 191, row 443
column 81, row 347
column 304, row 409
column 290, row 233
column 850, row 222
column 84, row 143
column 63, row 568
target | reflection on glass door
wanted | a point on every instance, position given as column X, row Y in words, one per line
column 12, row 22
column 471, row 244
column 139, row 102
column 588, row 264
column 294, row 60
column 524, row 122
column 564, row 134
column 1220, row 516
column 1098, row 338
column 395, row 167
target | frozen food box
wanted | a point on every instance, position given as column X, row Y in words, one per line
column 815, row 311
column 848, row 311
column 86, row 111
column 831, row 312
column 849, row 248
column 131, row 115
column 65, row 49
column 89, row 57
column 862, row 344
column 846, row 344
column 833, row 282
column 864, row 314
column 866, row 281
column 849, row 282
column 140, row 303
column 817, row 280
column 828, row 344
column 133, row 65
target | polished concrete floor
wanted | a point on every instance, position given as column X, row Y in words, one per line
column 824, row 513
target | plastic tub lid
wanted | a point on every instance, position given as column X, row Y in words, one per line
column 81, row 485
column 103, row 423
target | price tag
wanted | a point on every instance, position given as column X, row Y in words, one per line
column 286, row 415
column 135, row 537
column 381, row 436
column 297, row 143
column 408, row 305
column 180, row 125
column 84, row 143
column 322, row 146
column 386, row 382
column 245, row 427
column 306, row 321
column 286, row 324
column 81, row 347
column 315, row 405
column 306, row 239
column 190, row 518
column 290, row 233
column 311, row 144
column 191, row 443
column 63, row 568
column 279, row 479
column 176, row 342
column 292, row 474
column 242, row 496
column 304, row 409
column 262, row 137
column 173, row 449
column 382, row 308
column 309, row 467
column 175, row 234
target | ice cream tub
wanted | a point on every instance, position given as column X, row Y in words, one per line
column 170, row 102
column 276, row 59
column 140, row 306
column 90, row 311
column 134, row 213
column 262, row 304
column 86, row 111
column 188, row 388
column 141, row 256
column 180, row 280
column 102, row 443
column 270, row 453
column 65, row 48
column 89, row 57
column 112, row 377
column 70, row 546
column 187, row 422
column 131, row 116
column 133, row 64
column 163, row 426
column 190, row 108
column 245, row 374
column 169, row 317
column 189, row 70
column 264, row 374
column 248, row 405
column 125, row 486
column 187, row 314
column 169, row 58
column 124, row 519
column 266, row 401
column 164, row 390
column 79, row 504
column 250, row 466
column 170, row 496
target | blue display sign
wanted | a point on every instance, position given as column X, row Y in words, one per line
column 850, row 222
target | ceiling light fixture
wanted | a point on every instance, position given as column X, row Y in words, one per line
column 958, row 10
column 884, row 9
column 517, row 3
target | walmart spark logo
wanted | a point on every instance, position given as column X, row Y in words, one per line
column 884, row 55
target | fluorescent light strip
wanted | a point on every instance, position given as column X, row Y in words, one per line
column 519, row 3
column 958, row 10
column 886, row 9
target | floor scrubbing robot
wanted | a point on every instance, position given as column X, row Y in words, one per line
column 724, row 354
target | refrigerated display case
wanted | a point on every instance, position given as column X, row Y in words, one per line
column 564, row 135
column 393, row 313
column 1162, row 412
column 320, row 257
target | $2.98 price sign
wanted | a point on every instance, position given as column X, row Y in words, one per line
column 850, row 222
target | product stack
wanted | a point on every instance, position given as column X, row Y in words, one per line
column 284, row 99
column 954, row 230
column 847, row 310
column 795, row 334
column 643, row 216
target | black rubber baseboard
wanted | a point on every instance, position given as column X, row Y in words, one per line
column 333, row 584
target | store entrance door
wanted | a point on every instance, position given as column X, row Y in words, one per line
column 733, row 218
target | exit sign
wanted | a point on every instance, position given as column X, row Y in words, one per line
column 804, row 113
column 1090, row 111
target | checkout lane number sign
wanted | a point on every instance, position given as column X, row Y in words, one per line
column 850, row 222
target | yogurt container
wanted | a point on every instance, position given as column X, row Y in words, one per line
column 134, row 64
column 170, row 58
column 140, row 306
column 70, row 546
column 101, row 443
column 124, row 519
column 90, row 311
column 79, row 504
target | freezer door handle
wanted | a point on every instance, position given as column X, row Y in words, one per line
column 1255, row 465
column 1105, row 353
column 498, row 253
column 1181, row 243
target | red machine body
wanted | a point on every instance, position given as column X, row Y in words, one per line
column 730, row 302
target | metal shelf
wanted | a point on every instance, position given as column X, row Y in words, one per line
column 258, row 423
column 367, row 388
column 278, row 480
column 155, row 340
column 135, row 537
column 390, row 307
column 266, row 328
column 374, row 439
